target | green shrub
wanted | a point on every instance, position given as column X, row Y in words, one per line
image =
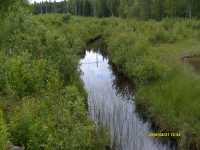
column 39, row 58
column 58, row 121
column 161, row 36
column 3, row 133
column 67, row 17
column 26, row 125
column 135, row 56
column 25, row 76
column 168, row 24
column 146, row 69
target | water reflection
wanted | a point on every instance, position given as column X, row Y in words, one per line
column 123, row 86
column 112, row 106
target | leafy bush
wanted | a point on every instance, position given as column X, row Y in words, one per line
column 134, row 55
column 36, row 65
column 168, row 24
column 25, row 125
column 67, row 17
column 58, row 121
column 3, row 133
column 145, row 69
column 24, row 76
column 161, row 36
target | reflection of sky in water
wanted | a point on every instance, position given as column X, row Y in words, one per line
column 114, row 111
column 96, row 68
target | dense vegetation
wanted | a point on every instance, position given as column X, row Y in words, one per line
column 42, row 102
column 150, row 54
column 144, row 9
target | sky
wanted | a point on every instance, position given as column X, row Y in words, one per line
column 32, row 1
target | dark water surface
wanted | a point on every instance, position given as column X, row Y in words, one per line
column 111, row 104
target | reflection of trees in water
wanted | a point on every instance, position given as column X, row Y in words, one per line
column 109, row 108
column 98, row 46
column 122, row 85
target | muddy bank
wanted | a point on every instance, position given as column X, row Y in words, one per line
column 194, row 61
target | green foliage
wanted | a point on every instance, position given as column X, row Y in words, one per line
column 39, row 58
column 56, row 121
column 3, row 133
column 41, row 92
column 161, row 36
column 133, row 52
column 149, row 54
column 67, row 17
column 176, row 102
column 24, row 76
column 24, row 129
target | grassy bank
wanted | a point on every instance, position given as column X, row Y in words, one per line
column 150, row 53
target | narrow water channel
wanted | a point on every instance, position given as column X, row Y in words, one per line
column 111, row 104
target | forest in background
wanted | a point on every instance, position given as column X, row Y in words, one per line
column 144, row 9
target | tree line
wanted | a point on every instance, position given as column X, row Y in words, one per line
column 145, row 9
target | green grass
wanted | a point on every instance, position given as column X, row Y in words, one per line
column 39, row 70
column 150, row 53
column 174, row 105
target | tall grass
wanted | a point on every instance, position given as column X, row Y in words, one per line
column 150, row 53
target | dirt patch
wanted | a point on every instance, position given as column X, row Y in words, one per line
column 194, row 61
